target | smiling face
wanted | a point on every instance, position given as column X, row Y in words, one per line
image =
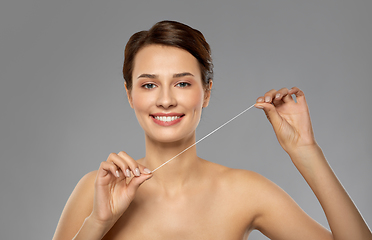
column 167, row 94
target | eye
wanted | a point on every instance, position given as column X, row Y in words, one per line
column 148, row 85
column 183, row 84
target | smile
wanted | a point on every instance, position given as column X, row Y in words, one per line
column 167, row 119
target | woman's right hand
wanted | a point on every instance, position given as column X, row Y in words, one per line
column 113, row 193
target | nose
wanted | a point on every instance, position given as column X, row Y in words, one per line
column 166, row 98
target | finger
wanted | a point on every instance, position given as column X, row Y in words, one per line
column 260, row 99
column 119, row 162
column 144, row 169
column 107, row 168
column 287, row 98
column 284, row 95
column 133, row 165
column 259, row 102
column 300, row 96
column 280, row 95
column 135, row 182
column 271, row 114
column 269, row 96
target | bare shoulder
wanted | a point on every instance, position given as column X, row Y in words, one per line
column 270, row 207
column 247, row 194
column 242, row 184
column 239, row 179
column 84, row 189
column 88, row 178
column 245, row 184
column 83, row 193
column 78, row 207
column 252, row 185
column 249, row 180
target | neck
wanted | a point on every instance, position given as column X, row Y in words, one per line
column 178, row 172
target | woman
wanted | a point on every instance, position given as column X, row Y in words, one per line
column 168, row 78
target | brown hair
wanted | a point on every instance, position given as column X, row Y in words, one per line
column 174, row 34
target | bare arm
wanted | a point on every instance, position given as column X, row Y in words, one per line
column 77, row 209
column 343, row 217
column 292, row 126
column 100, row 198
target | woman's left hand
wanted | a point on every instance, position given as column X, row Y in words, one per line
column 289, row 118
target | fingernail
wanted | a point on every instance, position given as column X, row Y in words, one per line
column 267, row 99
column 137, row 172
column 117, row 173
column 260, row 100
column 259, row 106
column 127, row 173
column 146, row 170
column 277, row 95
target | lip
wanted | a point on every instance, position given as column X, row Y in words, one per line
column 166, row 124
column 167, row 114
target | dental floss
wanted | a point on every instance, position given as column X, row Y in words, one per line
column 202, row 138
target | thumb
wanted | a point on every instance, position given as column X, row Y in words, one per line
column 135, row 182
column 271, row 113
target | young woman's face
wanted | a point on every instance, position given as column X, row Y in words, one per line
column 167, row 93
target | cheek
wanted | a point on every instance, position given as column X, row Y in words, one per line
column 141, row 102
column 195, row 100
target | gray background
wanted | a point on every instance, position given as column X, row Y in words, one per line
column 64, row 108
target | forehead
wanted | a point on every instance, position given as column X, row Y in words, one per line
column 163, row 60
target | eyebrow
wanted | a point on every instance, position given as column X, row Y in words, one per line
column 146, row 75
column 176, row 75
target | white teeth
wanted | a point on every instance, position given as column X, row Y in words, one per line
column 166, row 119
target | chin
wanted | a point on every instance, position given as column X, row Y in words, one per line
column 172, row 137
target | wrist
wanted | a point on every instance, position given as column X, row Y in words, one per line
column 97, row 223
column 311, row 163
column 304, row 151
column 308, row 156
column 92, row 229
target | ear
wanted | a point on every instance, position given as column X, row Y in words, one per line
column 129, row 95
column 207, row 94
